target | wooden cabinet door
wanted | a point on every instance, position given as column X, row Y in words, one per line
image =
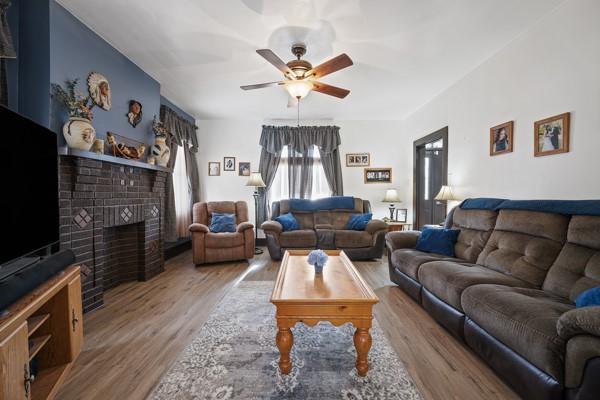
column 14, row 366
column 75, row 317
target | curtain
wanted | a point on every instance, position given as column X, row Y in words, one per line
column 183, row 134
column 300, row 142
column 7, row 50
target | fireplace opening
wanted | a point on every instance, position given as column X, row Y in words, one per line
column 124, row 254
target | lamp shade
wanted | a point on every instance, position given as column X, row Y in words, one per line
column 255, row 180
column 445, row 193
column 391, row 196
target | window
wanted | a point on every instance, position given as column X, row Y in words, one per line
column 280, row 188
column 183, row 198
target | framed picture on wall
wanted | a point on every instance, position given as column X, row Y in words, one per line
column 228, row 163
column 378, row 175
column 551, row 135
column 358, row 159
column 501, row 138
column 214, row 168
column 244, row 168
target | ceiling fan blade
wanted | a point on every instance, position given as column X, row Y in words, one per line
column 292, row 102
column 335, row 64
column 271, row 57
column 330, row 90
column 261, row 85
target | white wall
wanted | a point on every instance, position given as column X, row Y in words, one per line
column 221, row 138
column 551, row 69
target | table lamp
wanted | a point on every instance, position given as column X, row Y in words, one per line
column 391, row 196
column 256, row 181
column 445, row 194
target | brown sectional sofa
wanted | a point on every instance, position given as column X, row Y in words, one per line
column 509, row 294
column 325, row 229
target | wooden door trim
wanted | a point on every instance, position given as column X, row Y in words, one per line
column 432, row 137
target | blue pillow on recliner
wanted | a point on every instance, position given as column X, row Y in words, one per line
column 221, row 223
column 590, row 297
column 358, row 222
column 438, row 240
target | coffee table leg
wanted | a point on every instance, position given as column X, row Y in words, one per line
column 362, row 342
column 284, row 340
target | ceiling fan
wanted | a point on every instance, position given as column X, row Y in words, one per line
column 301, row 77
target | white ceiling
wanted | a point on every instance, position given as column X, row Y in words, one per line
column 405, row 51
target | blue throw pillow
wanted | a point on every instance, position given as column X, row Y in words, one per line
column 437, row 240
column 288, row 221
column 222, row 223
column 358, row 222
column 590, row 297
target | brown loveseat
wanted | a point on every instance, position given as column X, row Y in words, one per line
column 325, row 229
column 208, row 247
column 509, row 293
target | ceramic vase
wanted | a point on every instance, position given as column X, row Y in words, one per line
column 79, row 133
column 161, row 151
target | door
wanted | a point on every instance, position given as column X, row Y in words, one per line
column 75, row 317
column 430, row 173
column 14, row 366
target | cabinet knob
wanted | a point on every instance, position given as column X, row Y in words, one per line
column 74, row 319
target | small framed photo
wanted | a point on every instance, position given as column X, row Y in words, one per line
column 214, row 168
column 244, row 168
column 228, row 163
column 378, row 175
column 552, row 135
column 501, row 139
column 401, row 214
column 358, row 159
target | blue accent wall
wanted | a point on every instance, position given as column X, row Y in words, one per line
column 75, row 51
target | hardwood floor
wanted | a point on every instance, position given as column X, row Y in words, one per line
column 144, row 326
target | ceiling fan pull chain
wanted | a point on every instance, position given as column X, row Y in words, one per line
column 298, row 111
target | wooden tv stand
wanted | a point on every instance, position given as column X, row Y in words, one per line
column 46, row 324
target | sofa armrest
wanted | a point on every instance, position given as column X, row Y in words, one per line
column 324, row 226
column 243, row 226
column 196, row 227
column 580, row 321
column 272, row 227
column 375, row 225
column 402, row 239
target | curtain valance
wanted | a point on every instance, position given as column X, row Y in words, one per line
column 183, row 131
column 300, row 138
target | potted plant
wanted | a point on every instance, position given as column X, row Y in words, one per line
column 78, row 130
column 160, row 151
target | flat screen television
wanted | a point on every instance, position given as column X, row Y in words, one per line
column 29, row 195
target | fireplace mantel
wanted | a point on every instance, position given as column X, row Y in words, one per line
column 66, row 151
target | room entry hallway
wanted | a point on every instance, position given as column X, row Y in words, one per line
column 144, row 326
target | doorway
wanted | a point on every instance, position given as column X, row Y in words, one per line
column 430, row 173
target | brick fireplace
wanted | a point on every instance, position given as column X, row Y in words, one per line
column 111, row 216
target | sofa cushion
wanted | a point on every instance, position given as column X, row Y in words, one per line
column 408, row 261
column 524, row 244
column 447, row 279
column 577, row 267
column 221, row 223
column 475, row 229
column 304, row 238
column 353, row 239
column 225, row 240
column 523, row 319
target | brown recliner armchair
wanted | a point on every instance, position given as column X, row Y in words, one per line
column 208, row 247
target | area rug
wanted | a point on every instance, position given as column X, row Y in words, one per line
column 234, row 356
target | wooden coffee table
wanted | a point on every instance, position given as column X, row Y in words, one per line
column 338, row 295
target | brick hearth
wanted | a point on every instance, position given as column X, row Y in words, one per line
column 112, row 219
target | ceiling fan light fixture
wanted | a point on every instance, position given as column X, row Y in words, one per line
column 298, row 89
